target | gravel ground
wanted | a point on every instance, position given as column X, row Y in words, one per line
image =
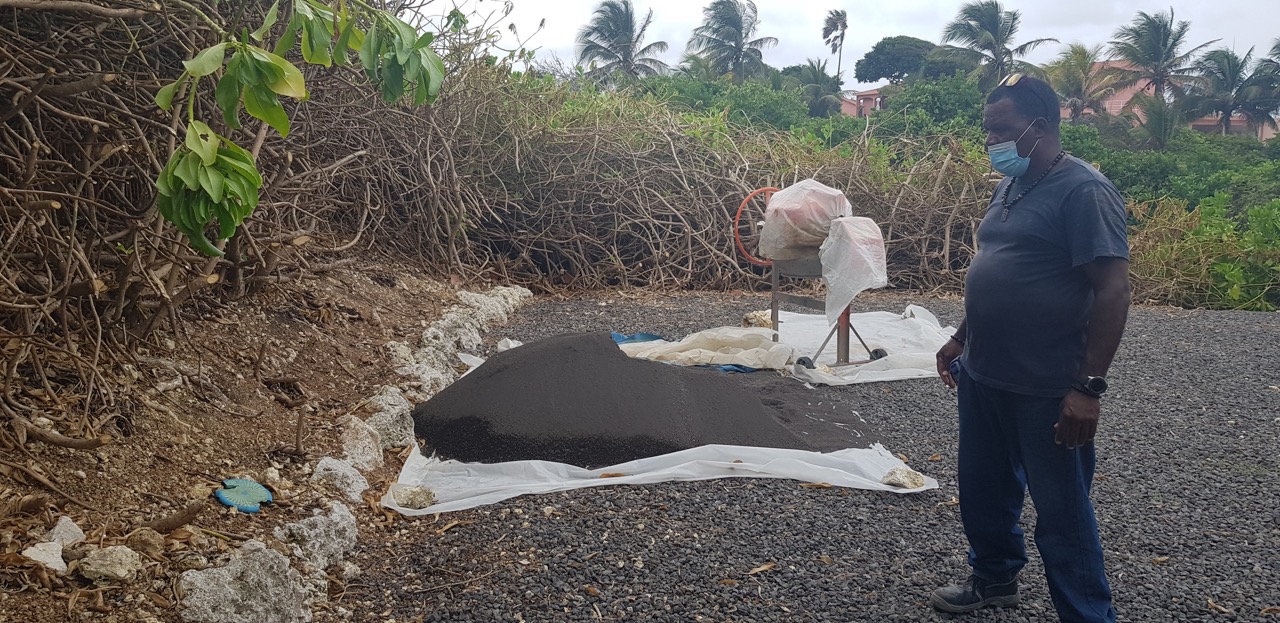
column 1187, row 494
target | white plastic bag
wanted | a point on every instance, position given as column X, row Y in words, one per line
column 798, row 218
column 853, row 260
column 751, row 347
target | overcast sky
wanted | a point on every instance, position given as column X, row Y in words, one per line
column 798, row 24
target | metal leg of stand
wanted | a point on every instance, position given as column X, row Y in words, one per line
column 774, row 304
column 860, row 340
column 842, row 338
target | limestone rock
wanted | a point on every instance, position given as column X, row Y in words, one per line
column 759, row 318
column 257, row 586
column 904, row 477
column 65, row 533
column 392, row 421
column 111, row 564
column 147, row 541
column 321, row 540
column 48, row 554
column 413, row 496
column 361, row 444
column 341, row 475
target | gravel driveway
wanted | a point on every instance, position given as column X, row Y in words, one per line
column 1187, row 494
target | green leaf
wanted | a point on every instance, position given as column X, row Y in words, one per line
column 370, row 51
column 227, row 93
column 189, row 170
column 213, row 183
column 164, row 99
column 164, row 181
column 288, row 38
column 315, row 44
column 164, row 205
column 344, row 42
column 434, row 69
column 406, row 34
column 202, row 244
column 207, row 61
column 201, row 211
column 246, row 193
column 413, row 66
column 290, row 82
column 357, row 39
column 267, row 23
column 424, row 41
column 421, row 92
column 392, row 80
column 202, row 141
column 261, row 102
column 457, row 20
column 227, row 222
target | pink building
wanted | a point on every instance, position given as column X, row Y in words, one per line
column 1115, row 104
column 861, row 103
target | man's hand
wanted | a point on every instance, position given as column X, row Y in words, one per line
column 1078, row 422
column 945, row 356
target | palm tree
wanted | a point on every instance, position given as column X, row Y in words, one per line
column 1151, row 45
column 725, row 38
column 833, row 31
column 615, row 43
column 819, row 88
column 1156, row 118
column 1227, row 87
column 986, row 32
column 699, row 68
column 1080, row 81
column 1272, row 61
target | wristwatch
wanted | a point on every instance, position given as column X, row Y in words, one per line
column 1094, row 386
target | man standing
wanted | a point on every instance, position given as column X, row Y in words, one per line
column 1045, row 304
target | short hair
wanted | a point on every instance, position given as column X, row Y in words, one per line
column 1031, row 97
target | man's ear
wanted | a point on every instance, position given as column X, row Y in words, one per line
column 1042, row 127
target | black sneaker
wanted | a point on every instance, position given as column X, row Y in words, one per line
column 974, row 594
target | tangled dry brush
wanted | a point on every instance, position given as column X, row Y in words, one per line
column 510, row 178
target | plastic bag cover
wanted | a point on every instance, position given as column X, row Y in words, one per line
column 798, row 218
column 853, row 260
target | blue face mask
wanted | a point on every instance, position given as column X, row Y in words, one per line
column 1005, row 159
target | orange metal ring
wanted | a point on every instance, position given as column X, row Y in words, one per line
column 737, row 218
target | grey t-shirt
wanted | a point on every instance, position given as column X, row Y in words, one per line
column 1027, row 301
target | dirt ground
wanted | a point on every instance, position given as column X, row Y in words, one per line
column 221, row 398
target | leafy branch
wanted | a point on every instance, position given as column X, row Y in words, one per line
column 208, row 177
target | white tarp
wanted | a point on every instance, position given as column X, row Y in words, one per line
column 719, row 346
column 853, row 260
column 798, row 219
column 912, row 338
column 459, row 486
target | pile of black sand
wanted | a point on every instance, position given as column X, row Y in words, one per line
column 579, row 399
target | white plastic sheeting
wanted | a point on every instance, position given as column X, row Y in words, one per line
column 459, row 486
column 798, row 218
column 912, row 338
column 719, row 346
column 853, row 260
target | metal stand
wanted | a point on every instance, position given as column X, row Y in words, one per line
column 811, row 268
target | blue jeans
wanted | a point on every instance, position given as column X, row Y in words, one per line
column 1006, row 447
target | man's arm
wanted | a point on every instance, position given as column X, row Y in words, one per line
column 949, row 351
column 1109, row 277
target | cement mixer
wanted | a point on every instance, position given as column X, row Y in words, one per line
column 809, row 232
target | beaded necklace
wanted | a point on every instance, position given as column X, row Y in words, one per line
column 1004, row 197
